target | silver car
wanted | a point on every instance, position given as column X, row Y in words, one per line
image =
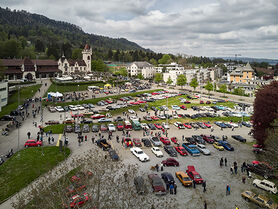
column 156, row 142
column 202, row 148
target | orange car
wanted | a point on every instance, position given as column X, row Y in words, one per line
column 184, row 178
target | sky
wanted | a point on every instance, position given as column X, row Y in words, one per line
column 214, row 28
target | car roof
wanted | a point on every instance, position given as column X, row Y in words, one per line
column 182, row 173
column 191, row 168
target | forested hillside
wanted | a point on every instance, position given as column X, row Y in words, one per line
column 25, row 34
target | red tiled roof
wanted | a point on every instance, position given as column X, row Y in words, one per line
column 49, row 70
column 87, row 46
column 19, row 62
column 13, row 71
column 79, row 62
column 11, row 62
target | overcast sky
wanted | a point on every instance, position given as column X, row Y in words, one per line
column 194, row 27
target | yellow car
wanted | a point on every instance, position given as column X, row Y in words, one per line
column 259, row 200
column 184, row 178
column 218, row 146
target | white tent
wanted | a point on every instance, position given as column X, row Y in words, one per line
column 53, row 94
column 68, row 78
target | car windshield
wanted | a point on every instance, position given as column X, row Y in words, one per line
column 157, row 181
column 155, row 149
column 183, row 151
column 140, row 152
column 197, row 176
column 186, row 179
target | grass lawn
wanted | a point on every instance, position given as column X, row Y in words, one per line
column 27, row 165
column 56, row 129
column 71, row 87
column 25, row 92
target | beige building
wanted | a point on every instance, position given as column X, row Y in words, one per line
column 146, row 69
column 3, row 94
column 241, row 74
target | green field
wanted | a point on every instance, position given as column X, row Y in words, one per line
column 25, row 93
column 71, row 87
column 27, row 165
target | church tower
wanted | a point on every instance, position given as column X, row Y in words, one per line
column 86, row 56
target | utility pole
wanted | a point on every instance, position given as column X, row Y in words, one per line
column 18, row 103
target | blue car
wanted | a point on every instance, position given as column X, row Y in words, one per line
column 226, row 145
column 220, row 124
column 191, row 149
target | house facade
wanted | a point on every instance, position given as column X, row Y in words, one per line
column 69, row 66
column 168, row 67
column 3, row 94
column 146, row 69
column 241, row 74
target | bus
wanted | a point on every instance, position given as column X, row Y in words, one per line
column 136, row 125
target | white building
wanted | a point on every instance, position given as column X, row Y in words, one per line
column 146, row 69
column 3, row 94
column 168, row 67
column 173, row 74
column 68, row 66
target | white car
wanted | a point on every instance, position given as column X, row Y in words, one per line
column 139, row 154
column 157, row 152
column 131, row 111
column 111, row 127
column 266, row 185
column 165, row 125
column 145, row 126
column 72, row 107
column 179, row 125
column 79, row 107
column 133, row 117
column 175, row 107
column 202, row 148
column 235, row 125
column 59, row 109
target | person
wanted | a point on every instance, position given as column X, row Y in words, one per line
column 221, row 162
column 93, row 139
column 157, row 167
column 29, row 135
column 118, row 139
column 204, row 184
column 48, row 140
column 225, row 161
column 161, row 167
column 85, row 137
column 175, row 188
column 205, row 205
column 232, row 170
column 194, row 184
column 182, row 137
column 228, row 190
column 52, row 139
column 171, row 188
column 235, row 168
column 243, row 179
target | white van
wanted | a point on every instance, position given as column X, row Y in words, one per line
column 266, row 185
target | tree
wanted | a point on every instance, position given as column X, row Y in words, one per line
column 111, row 185
column 98, row 65
column 158, row 77
column 169, row 81
column 181, row 80
column 153, row 61
column 239, row 91
column 194, row 83
column 122, row 71
column 265, row 111
column 39, row 46
column 223, row 89
column 209, row 87
column 140, row 76
column 76, row 54
column 166, row 59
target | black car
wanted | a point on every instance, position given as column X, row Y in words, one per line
column 167, row 178
column 147, row 118
column 151, row 126
column 239, row 138
column 261, row 169
column 170, row 150
column 198, row 139
column 68, row 129
column 190, row 140
column 113, row 154
column 7, row 118
column 246, row 124
column 147, row 142
column 142, row 109
column 86, row 121
column 194, row 125
column 95, row 128
column 140, row 185
column 154, row 108
column 119, row 118
column 102, row 143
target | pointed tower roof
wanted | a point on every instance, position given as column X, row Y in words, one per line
column 248, row 67
column 87, row 47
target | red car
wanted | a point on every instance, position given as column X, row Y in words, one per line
column 128, row 142
column 208, row 139
column 32, row 143
column 170, row 162
column 207, row 125
column 201, row 102
column 77, row 201
column 74, row 188
column 97, row 116
column 137, row 142
column 194, row 175
column 158, row 126
column 120, row 126
column 187, row 125
column 183, row 107
column 155, row 117
column 165, row 140
column 109, row 101
column 155, row 93
column 174, row 140
column 81, row 176
column 187, row 102
column 134, row 103
column 181, row 150
column 157, row 184
column 141, row 101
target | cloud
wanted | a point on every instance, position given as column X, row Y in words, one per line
column 199, row 27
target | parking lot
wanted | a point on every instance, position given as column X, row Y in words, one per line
column 208, row 166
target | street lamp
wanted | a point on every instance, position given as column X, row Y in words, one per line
column 78, row 104
column 18, row 101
